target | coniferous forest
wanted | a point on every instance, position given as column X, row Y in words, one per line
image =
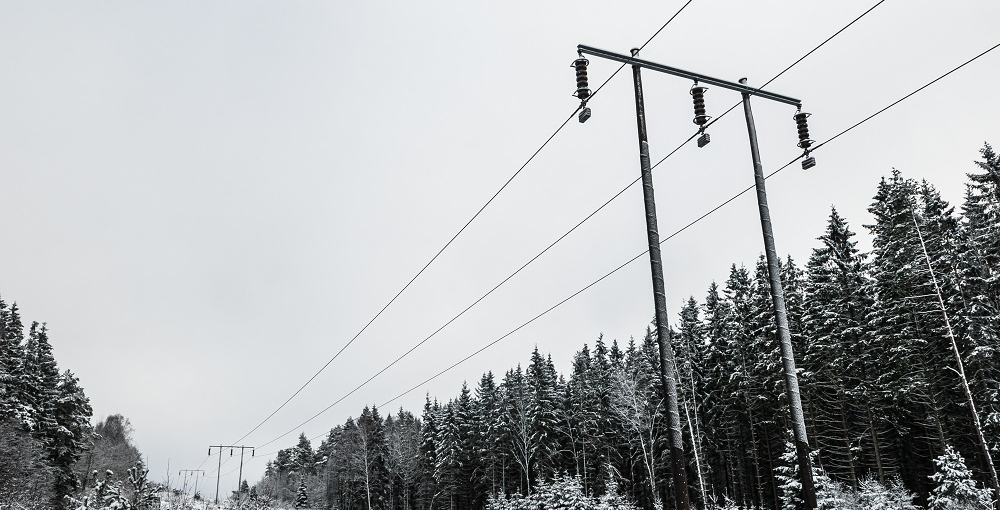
column 51, row 456
column 887, row 415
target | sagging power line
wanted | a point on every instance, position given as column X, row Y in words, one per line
column 589, row 96
column 452, row 239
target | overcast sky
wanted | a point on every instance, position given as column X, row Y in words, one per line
column 207, row 200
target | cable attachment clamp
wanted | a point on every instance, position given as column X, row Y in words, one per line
column 582, row 87
column 805, row 142
column 700, row 118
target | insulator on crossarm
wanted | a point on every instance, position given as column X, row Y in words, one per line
column 700, row 117
column 802, row 125
column 582, row 90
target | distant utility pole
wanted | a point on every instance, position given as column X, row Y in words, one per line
column 668, row 376
column 218, row 474
column 195, row 471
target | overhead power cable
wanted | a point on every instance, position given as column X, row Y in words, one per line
column 803, row 57
column 685, row 227
column 452, row 239
column 571, row 230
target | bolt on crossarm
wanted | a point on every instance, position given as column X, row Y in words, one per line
column 773, row 266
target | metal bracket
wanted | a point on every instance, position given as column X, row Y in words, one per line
column 660, row 68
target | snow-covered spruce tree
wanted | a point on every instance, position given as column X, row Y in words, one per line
column 981, row 288
column 828, row 495
column 543, row 413
column 954, row 487
column 428, row 453
column 613, row 499
column 905, row 328
column 67, row 441
column 564, row 492
column 11, row 365
column 302, row 497
column 486, row 406
column 449, row 456
column 837, row 359
column 872, row 495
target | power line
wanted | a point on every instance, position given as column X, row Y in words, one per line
column 450, row 241
column 803, row 57
column 571, row 230
column 675, row 233
column 682, row 229
column 900, row 100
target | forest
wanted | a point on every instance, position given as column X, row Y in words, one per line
column 895, row 349
column 887, row 416
column 51, row 455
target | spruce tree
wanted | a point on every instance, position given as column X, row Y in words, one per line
column 954, row 487
column 542, row 414
column 301, row 496
column 12, row 366
column 487, row 436
column 449, row 456
column 904, row 325
column 980, row 247
column 429, row 453
column 67, row 442
column 837, row 359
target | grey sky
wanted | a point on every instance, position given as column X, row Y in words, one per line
column 206, row 200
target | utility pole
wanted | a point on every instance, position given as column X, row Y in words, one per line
column 186, row 472
column 667, row 369
column 781, row 316
column 218, row 475
column 668, row 375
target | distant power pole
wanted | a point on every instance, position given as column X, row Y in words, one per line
column 185, row 472
column 668, row 374
column 218, row 474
